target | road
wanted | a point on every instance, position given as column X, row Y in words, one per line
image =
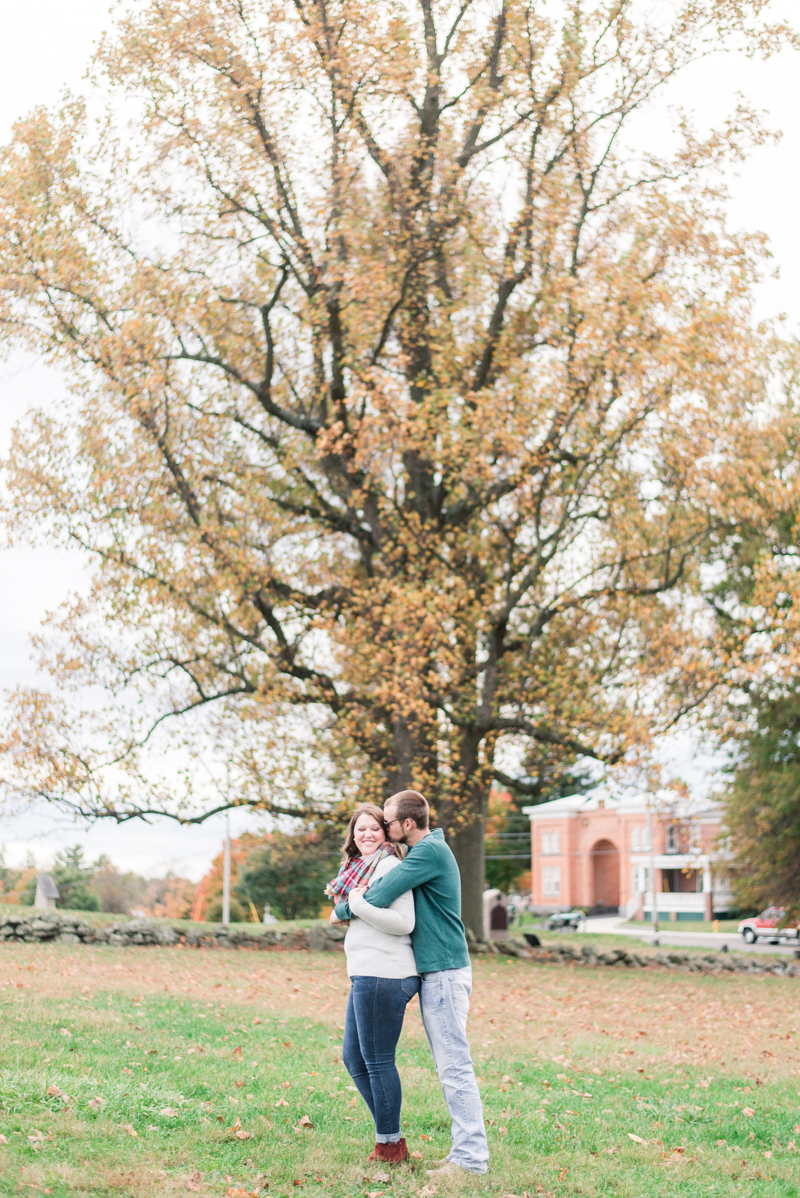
column 666, row 936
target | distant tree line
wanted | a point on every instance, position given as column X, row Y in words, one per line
column 99, row 886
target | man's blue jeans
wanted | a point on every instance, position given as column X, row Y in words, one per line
column 444, row 999
column 372, row 1027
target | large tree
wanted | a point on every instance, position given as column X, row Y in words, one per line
column 406, row 386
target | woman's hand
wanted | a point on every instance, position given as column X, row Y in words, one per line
column 360, row 890
column 335, row 918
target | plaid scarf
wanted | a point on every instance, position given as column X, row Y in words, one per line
column 357, row 870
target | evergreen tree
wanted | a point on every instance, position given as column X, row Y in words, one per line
column 763, row 807
column 73, row 877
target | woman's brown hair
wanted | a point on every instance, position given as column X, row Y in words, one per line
column 349, row 848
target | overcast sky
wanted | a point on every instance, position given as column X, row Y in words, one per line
column 47, row 46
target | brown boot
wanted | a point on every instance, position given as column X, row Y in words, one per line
column 391, row 1154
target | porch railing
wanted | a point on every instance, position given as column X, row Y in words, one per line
column 691, row 903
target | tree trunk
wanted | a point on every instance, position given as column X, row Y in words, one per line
column 468, row 847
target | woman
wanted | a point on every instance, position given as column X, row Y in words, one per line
column 383, row 973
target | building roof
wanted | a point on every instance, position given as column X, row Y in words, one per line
column 662, row 805
column 47, row 886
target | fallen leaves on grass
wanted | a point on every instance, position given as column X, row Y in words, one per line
column 636, row 1139
column 53, row 1092
column 748, row 1112
column 304, row 1122
column 168, row 1112
column 239, row 1131
column 417, row 1156
column 37, row 1136
column 193, row 1183
column 3, row 1140
column 129, row 1128
column 95, row 1103
column 382, row 1177
column 65, row 1032
column 427, row 1192
column 237, row 1052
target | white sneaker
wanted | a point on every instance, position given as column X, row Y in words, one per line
column 446, row 1171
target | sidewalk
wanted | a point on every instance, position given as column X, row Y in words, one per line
column 614, row 925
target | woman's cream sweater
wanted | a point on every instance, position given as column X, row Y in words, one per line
column 378, row 941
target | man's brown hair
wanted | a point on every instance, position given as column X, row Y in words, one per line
column 410, row 804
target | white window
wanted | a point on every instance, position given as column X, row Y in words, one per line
column 636, row 842
column 646, row 838
column 641, row 879
column 552, row 881
column 551, row 845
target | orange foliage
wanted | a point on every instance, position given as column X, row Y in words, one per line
column 25, row 883
column 209, row 888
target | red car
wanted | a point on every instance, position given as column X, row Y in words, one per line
column 766, row 926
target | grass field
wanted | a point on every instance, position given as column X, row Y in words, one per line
column 154, row 1072
column 728, row 926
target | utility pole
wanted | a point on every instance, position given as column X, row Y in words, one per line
column 654, row 916
column 226, row 874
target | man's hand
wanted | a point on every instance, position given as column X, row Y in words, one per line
column 360, row 890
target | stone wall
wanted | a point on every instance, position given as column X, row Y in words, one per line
column 30, row 925
column 622, row 958
column 59, row 927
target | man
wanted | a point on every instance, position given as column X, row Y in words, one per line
column 440, row 949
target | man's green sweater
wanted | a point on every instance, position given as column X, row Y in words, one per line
column 429, row 870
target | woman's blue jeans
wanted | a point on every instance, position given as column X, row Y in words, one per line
column 372, row 1027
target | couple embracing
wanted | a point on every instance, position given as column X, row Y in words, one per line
column 399, row 887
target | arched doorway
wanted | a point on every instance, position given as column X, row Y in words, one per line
column 605, row 876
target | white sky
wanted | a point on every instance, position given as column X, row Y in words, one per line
column 58, row 39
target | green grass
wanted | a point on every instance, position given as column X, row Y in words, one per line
column 728, row 926
column 602, row 941
column 187, row 1048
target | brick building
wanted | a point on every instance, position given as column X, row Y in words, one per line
column 594, row 851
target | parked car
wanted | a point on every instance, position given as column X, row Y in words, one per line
column 565, row 919
column 765, row 926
